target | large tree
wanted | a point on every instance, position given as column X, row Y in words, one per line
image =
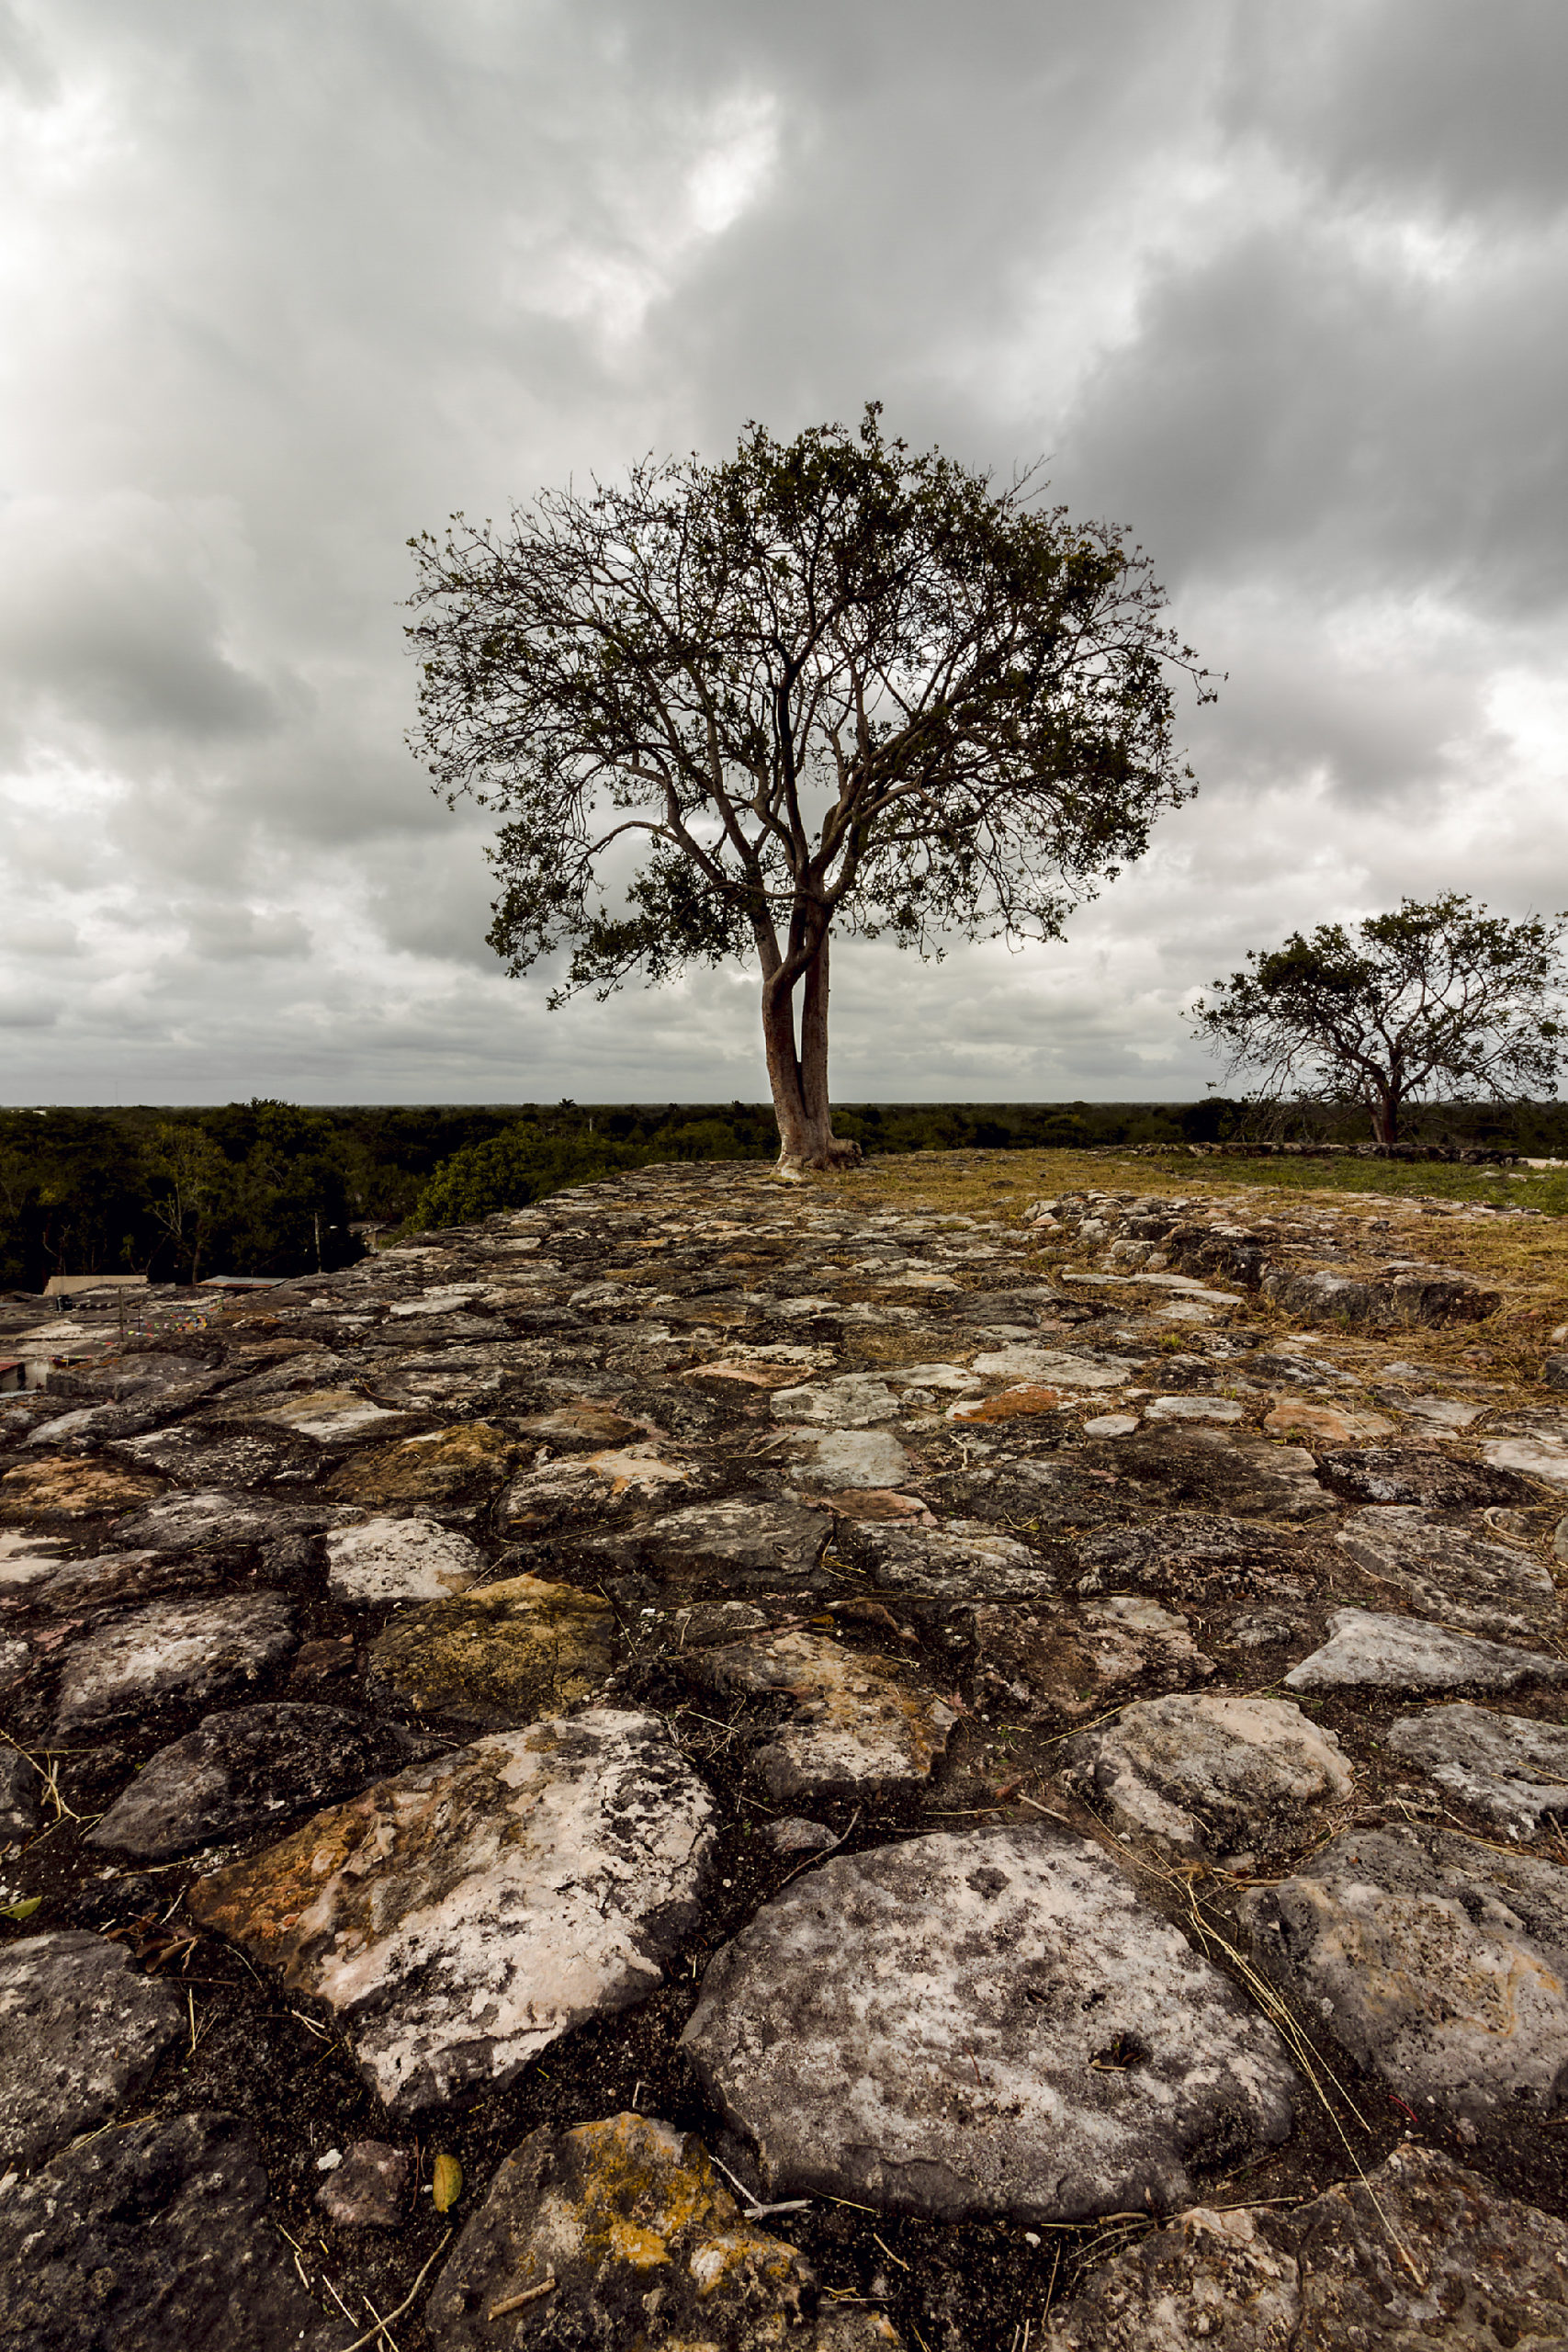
column 1436, row 1001
column 722, row 709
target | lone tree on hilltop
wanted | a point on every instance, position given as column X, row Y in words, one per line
column 1436, row 1002
column 722, row 708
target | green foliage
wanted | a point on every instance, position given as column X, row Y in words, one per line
column 1436, row 1001
column 513, row 1168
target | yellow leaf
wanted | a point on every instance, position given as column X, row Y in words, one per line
column 446, row 2181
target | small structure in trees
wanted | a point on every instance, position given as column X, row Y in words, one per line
column 1439, row 1001
column 726, row 709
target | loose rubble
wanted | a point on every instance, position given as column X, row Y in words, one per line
column 859, row 1775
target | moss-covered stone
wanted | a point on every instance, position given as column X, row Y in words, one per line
column 509, row 1654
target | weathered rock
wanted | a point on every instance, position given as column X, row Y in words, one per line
column 1242, row 1476
column 1438, row 1961
column 1210, row 1773
column 858, row 1722
column 964, row 1560
column 622, row 2233
column 1433, row 1295
column 1427, row 1475
column 187, row 1651
column 509, row 1653
column 1422, row 2252
column 1453, row 1572
column 86, row 1590
column 1193, row 1408
column 1207, row 1556
column 65, row 1486
column 26, row 1559
column 793, row 1833
column 217, row 1457
column 21, row 1792
column 401, row 1559
column 370, row 2188
column 1529, row 1457
column 250, row 1769
column 464, row 1916
column 464, row 1463
column 1510, row 1766
column 1055, row 1368
column 833, row 1458
column 590, row 1486
column 80, row 2031
column 585, row 1428
column 154, row 2239
column 856, row 1401
column 749, row 1538
column 330, row 1416
column 1382, row 1653
column 1316, row 1424
column 1042, row 1662
column 1024, row 1402
column 1027, row 2037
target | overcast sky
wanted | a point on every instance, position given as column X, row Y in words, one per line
column 1281, row 287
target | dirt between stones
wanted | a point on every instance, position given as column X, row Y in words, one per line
column 865, row 1776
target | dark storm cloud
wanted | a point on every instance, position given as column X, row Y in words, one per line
column 1282, row 289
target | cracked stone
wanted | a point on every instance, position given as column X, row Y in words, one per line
column 154, row 2239
column 858, row 1722
column 748, row 1538
column 1438, row 1962
column 463, row 1917
column 508, row 1653
column 1454, row 1573
column 173, row 1650
column 853, row 1402
column 620, row 1476
column 400, row 1559
column 607, row 2211
column 1029, row 2040
column 1510, row 1766
column 964, row 1560
column 1383, row 1653
column 80, row 2031
column 250, row 1769
column 1202, row 1775
column 1421, row 1474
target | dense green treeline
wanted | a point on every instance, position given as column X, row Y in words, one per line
column 267, row 1187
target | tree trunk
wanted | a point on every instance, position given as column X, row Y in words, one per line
column 799, row 1074
column 1384, row 1108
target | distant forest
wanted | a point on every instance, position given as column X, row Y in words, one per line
column 270, row 1188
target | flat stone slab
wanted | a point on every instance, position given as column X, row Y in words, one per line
column 1510, row 1766
column 1242, row 1476
column 590, row 1484
column 1529, row 1457
column 80, row 2031
column 857, row 1721
column 1373, row 1652
column 581, row 1427
column 1318, row 1424
column 1455, row 1573
column 464, row 1463
column 173, row 1650
column 401, row 1559
column 856, row 1401
column 462, row 1917
column 66, row 1487
column 964, row 1560
column 1438, row 1962
column 1042, row 1664
column 509, row 1654
column 1055, row 1367
column 251, row 1768
column 213, row 1518
column 154, row 2239
column 748, row 1536
column 1427, row 1475
column 834, row 1458
column 1209, row 1773
column 600, row 2211
column 988, row 2023
column 1193, row 1408
column 1330, row 2275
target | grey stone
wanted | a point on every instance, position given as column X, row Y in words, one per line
column 465, row 1915
column 833, row 1459
column 154, row 2239
column 173, row 1650
column 21, row 1792
column 1427, row 1475
column 1510, row 1766
column 1204, row 1774
column 794, row 1835
column 1207, row 1556
column 1438, row 1962
column 575, row 2226
column 1423, row 2251
column 964, row 1560
column 1533, row 1457
column 856, row 1722
column 189, row 1522
column 1365, row 1650
column 248, row 1770
column 776, row 1541
column 400, row 1559
column 370, row 2188
column 1240, row 1477
column 1055, row 1367
column 79, row 2031
column 1192, row 1409
column 87, row 1590
column 1044, row 1663
column 1453, row 1572
column 990, row 2023
column 854, row 1402
column 1433, row 1295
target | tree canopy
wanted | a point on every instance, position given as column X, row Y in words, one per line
column 720, row 709
column 1436, row 1001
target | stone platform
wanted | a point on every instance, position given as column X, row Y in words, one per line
column 860, row 1775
